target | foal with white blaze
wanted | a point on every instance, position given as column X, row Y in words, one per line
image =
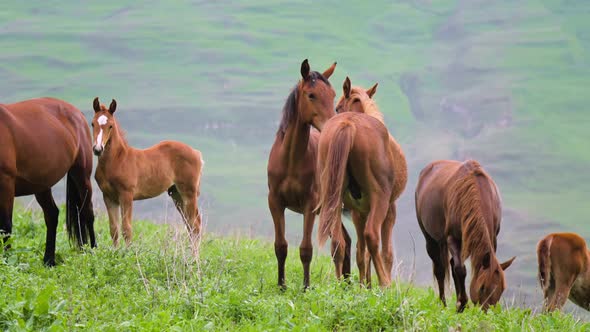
column 125, row 174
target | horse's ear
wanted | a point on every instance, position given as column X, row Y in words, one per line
column 372, row 90
column 96, row 105
column 507, row 263
column 305, row 69
column 329, row 71
column 346, row 87
column 485, row 262
column 113, row 106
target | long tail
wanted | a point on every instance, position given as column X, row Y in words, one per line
column 74, row 224
column 332, row 174
column 543, row 250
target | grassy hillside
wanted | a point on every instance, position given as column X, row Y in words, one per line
column 156, row 285
column 501, row 81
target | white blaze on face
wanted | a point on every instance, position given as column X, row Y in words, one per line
column 102, row 120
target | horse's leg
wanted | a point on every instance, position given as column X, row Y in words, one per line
column 114, row 212
column 126, row 200
column 563, row 285
column 361, row 247
column 50, row 214
column 387, row 240
column 338, row 248
column 192, row 224
column 277, row 210
column 372, row 235
column 6, row 205
column 347, row 254
column 459, row 272
column 439, row 267
column 549, row 295
column 306, row 246
column 80, row 174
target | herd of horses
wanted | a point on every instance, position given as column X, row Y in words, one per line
column 324, row 160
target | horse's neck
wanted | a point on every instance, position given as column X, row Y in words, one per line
column 295, row 141
column 116, row 148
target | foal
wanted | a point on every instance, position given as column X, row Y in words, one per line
column 125, row 174
column 564, row 270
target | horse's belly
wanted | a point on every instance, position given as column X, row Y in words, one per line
column 359, row 205
column 24, row 187
column 151, row 188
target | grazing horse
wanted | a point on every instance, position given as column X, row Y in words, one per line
column 292, row 162
column 458, row 207
column 564, row 270
column 125, row 174
column 42, row 140
column 362, row 166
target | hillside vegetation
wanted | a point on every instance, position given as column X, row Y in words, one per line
column 501, row 81
column 155, row 285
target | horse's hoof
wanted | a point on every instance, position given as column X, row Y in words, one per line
column 460, row 307
column 49, row 262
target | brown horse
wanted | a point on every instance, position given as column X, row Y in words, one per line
column 125, row 174
column 564, row 270
column 459, row 210
column 292, row 161
column 362, row 166
column 42, row 140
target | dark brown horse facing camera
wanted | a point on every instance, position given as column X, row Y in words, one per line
column 292, row 162
column 43, row 140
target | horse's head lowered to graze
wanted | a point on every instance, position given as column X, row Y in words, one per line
column 102, row 125
column 488, row 281
column 315, row 96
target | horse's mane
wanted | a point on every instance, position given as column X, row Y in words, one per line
column 464, row 202
column 369, row 105
column 290, row 107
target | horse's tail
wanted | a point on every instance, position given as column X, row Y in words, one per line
column 332, row 181
column 74, row 204
column 543, row 252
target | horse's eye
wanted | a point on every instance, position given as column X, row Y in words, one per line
column 111, row 127
column 92, row 124
column 311, row 96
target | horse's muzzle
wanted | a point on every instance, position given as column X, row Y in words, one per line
column 97, row 150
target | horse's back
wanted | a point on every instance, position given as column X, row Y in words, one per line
column 47, row 137
column 429, row 196
column 567, row 251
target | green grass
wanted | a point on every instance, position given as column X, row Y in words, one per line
column 155, row 285
column 216, row 75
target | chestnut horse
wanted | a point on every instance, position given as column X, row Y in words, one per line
column 125, row 174
column 292, row 161
column 458, row 207
column 564, row 270
column 362, row 166
column 43, row 140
